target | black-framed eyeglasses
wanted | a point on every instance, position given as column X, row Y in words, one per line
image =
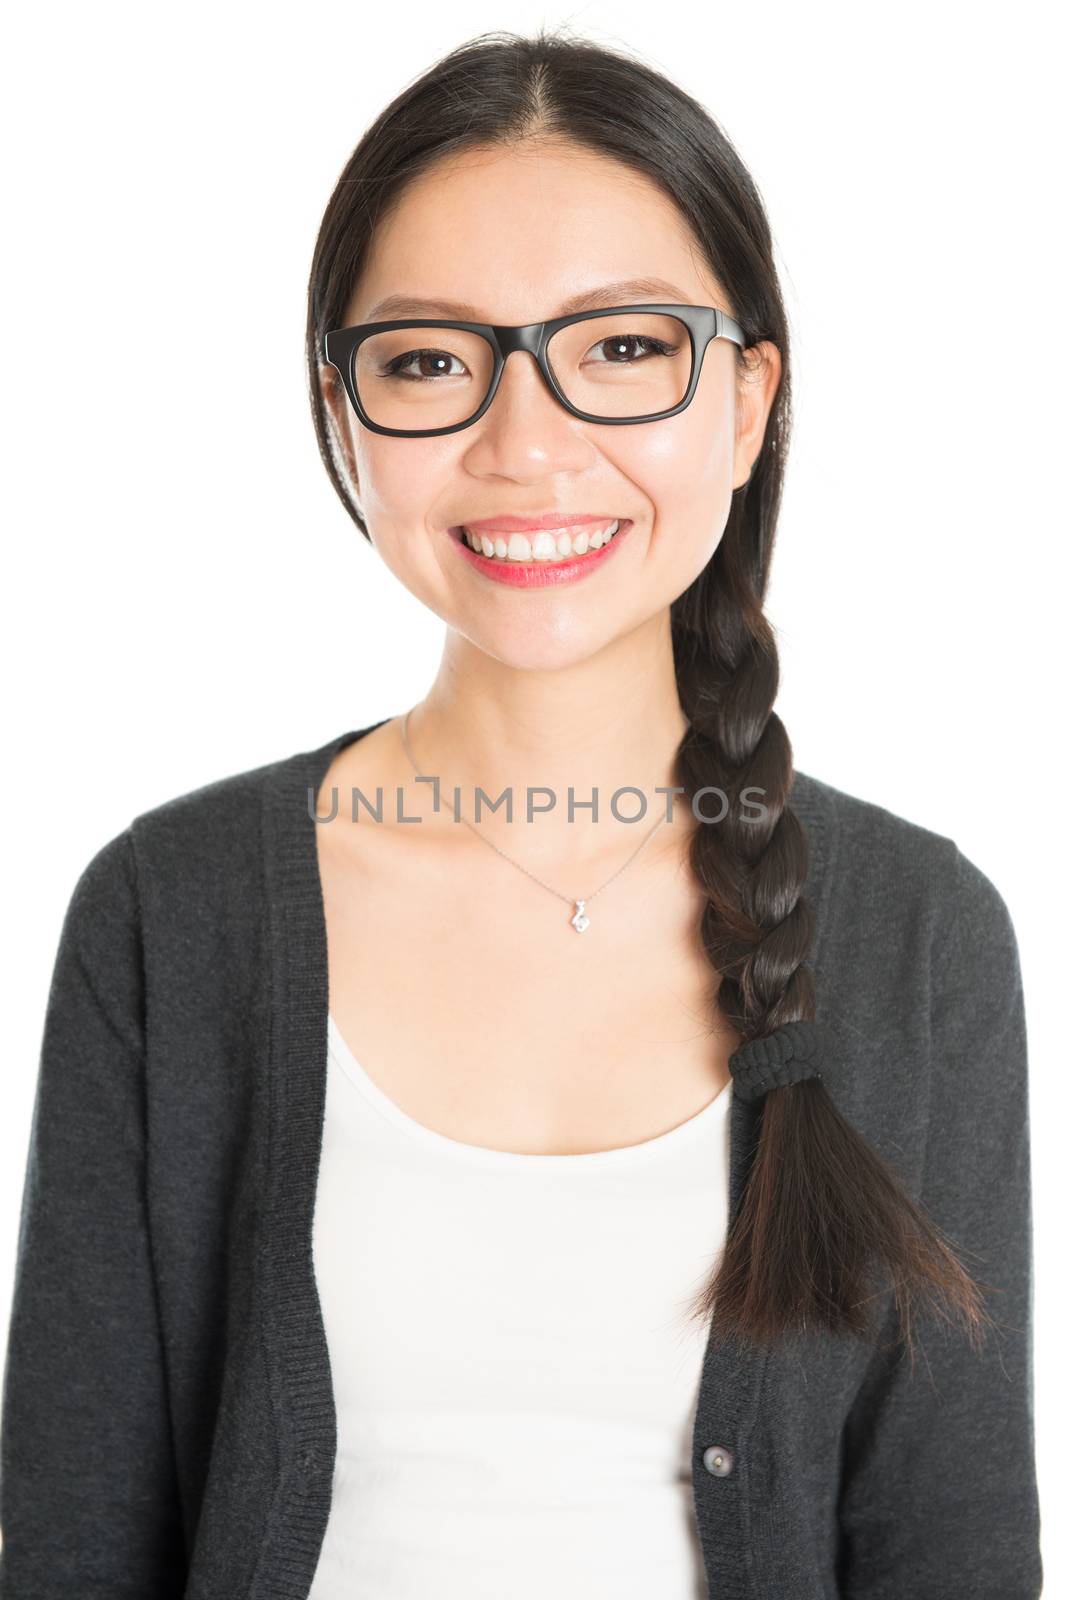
column 418, row 377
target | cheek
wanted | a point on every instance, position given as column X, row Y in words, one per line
column 398, row 476
column 403, row 482
column 684, row 469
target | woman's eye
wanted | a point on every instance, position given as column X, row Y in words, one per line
column 624, row 348
column 430, row 364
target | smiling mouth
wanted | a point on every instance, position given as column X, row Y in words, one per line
column 545, row 544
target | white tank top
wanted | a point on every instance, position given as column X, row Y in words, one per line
column 514, row 1378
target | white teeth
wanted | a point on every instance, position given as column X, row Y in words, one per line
column 547, row 544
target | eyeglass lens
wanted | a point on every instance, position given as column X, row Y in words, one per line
column 632, row 366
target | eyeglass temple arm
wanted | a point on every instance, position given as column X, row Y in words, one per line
column 727, row 328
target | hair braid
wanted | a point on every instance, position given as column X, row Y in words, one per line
column 821, row 1208
column 756, row 926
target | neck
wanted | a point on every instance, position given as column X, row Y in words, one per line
column 612, row 721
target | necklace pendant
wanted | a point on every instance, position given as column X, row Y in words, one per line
column 580, row 921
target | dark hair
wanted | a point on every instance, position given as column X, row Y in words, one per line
column 820, row 1205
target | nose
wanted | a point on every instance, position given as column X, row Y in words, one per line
column 526, row 430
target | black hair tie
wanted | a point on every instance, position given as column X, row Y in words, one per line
column 793, row 1052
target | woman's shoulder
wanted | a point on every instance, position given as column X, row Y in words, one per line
column 892, row 878
column 851, row 817
column 871, row 838
column 227, row 808
column 205, row 846
column 917, row 966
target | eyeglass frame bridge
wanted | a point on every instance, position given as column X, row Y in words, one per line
column 703, row 324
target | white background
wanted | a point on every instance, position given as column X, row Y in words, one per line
column 187, row 599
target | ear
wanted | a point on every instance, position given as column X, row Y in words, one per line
column 337, row 405
column 757, row 389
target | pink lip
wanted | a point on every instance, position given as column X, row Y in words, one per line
column 540, row 574
column 545, row 519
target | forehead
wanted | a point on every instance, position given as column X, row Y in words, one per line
column 517, row 234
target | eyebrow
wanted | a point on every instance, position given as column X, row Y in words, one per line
column 622, row 292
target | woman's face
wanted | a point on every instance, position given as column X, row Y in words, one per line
column 513, row 234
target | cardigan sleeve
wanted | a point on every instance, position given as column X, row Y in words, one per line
column 88, row 1494
column 939, row 1487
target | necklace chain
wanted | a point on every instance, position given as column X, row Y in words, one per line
column 579, row 921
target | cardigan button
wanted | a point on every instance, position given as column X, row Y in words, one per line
column 718, row 1460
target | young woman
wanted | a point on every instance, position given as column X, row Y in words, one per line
column 625, row 1192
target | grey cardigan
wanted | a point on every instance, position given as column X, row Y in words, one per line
column 168, row 1425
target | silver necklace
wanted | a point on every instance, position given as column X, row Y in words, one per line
column 580, row 919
